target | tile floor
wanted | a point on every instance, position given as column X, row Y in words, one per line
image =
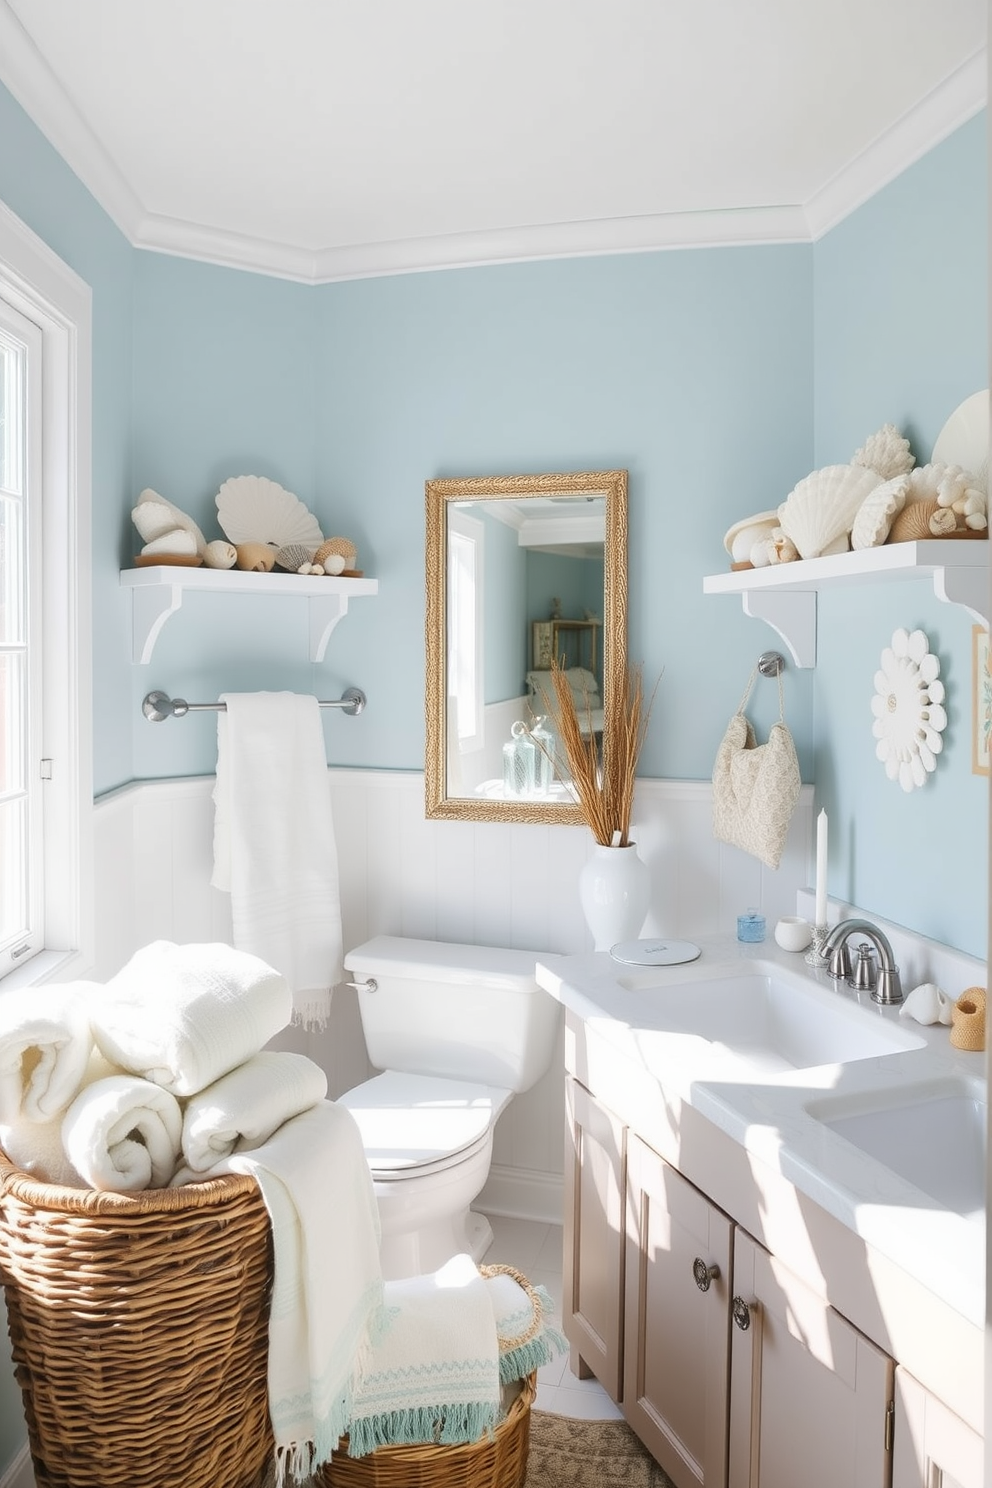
column 535, row 1249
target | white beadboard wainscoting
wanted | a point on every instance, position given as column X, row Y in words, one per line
column 480, row 883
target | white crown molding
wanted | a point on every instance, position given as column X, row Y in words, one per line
column 956, row 100
column 29, row 78
column 24, row 71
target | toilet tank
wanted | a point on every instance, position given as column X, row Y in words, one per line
column 462, row 1011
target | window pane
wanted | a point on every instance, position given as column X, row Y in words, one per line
column 13, row 871
column 12, row 604
column 13, row 725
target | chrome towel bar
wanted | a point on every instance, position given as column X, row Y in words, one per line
column 158, row 706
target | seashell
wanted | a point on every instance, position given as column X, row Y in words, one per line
column 334, row 563
column 877, row 511
column 928, row 1004
column 154, row 517
column 942, row 522
column 220, row 554
column 912, row 524
column 781, row 549
column 178, row 540
column 291, row 556
column 343, row 546
column 819, row 512
column 251, row 509
column 256, row 557
column 887, row 452
column 739, row 539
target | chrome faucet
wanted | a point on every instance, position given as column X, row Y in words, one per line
column 888, row 987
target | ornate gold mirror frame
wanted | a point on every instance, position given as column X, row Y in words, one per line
column 602, row 492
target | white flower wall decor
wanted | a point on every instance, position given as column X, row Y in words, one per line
column 908, row 709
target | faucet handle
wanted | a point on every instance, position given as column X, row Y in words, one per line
column 865, row 976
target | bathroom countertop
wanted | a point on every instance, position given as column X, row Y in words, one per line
column 765, row 1109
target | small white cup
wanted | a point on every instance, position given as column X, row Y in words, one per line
column 793, row 933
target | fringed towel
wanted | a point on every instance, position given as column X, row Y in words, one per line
column 242, row 1109
column 327, row 1288
column 183, row 1015
column 526, row 1330
column 122, row 1134
column 274, row 848
column 434, row 1374
column 45, row 1044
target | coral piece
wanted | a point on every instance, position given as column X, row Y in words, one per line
column 251, row 509
column 256, row 557
column 888, row 453
column 819, row 512
column 155, row 517
column 878, row 511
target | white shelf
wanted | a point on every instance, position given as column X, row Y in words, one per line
column 157, row 593
column 784, row 595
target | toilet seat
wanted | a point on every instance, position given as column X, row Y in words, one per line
column 413, row 1125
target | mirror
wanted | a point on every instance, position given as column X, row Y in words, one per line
column 520, row 568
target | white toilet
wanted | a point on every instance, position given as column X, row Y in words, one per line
column 457, row 1030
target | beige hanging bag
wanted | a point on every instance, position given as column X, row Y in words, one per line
column 755, row 786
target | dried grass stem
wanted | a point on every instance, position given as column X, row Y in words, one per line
column 604, row 788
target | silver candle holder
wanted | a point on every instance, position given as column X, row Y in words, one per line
column 814, row 956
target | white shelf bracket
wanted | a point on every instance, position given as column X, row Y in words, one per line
column 150, row 608
column 325, row 612
column 791, row 614
column 968, row 587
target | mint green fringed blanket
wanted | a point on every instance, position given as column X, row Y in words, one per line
column 450, row 1341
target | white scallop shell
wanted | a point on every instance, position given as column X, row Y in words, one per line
column 887, row 452
column 251, row 509
column 819, row 512
column 154, row 517
column 877, row 512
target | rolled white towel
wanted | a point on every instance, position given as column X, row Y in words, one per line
column 36, row 1146
column 123, row 1134
column 183, row 1015
column 45, row 1043
column 241, row 1110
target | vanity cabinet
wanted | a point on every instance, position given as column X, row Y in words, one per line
column 934, row 1448
column 729, row 1368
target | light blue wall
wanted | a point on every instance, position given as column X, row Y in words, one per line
column 901, row 310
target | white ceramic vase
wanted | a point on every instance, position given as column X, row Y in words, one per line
column 614, row 891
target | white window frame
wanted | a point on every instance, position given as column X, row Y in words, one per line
column 38, row 285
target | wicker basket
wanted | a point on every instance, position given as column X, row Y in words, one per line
column 139, row 1326
column 498, row 1460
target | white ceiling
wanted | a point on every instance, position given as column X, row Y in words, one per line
column 323, row 139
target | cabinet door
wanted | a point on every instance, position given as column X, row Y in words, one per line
column 810, row 1397
column 592, row 1305
column 676, row 1331
column 933, row 1447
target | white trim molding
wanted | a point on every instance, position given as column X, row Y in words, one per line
column 25, row 72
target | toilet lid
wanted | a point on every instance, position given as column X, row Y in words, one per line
column 421, row 1121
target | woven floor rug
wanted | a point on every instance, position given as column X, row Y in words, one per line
column 566, row 1453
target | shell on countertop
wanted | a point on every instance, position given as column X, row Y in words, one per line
column 928, row 1004
column 887, row 452
column 293, row 556
column 878, row 511
column 252, row 509
column 155, row 517
column 819, row 512
column 741, row 537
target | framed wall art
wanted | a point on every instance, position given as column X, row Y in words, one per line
column 981, row 700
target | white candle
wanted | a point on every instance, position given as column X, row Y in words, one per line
column 821, row 869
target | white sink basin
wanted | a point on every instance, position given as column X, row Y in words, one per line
column 932, row 1134
column 767, row 1022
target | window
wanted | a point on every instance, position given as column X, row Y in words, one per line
column 45, row 676
column 465, row 680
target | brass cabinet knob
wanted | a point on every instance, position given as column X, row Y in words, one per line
column 703, row 1274
column 742, row 1314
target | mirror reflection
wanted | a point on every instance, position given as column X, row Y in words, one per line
column 520, row 570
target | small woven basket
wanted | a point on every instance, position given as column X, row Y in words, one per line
column 496, row 1460
column 139, row 1326
column 968, row 1020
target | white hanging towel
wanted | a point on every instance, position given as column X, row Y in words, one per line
column 274, row 848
